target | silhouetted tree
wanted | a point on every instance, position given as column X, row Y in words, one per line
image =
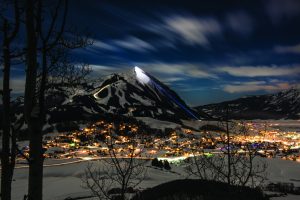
column 31, row 110
column 9, row 29
column 48, row 43
column 167, row 165
column 160, row 164
column 155, row 162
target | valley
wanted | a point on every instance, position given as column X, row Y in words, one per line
column 272, row 139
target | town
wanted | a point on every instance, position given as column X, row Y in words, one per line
column 128, row 139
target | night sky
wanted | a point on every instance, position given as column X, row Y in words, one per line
column 207, row 51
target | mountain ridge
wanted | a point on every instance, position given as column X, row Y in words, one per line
column 282, row 105
column 133, row 94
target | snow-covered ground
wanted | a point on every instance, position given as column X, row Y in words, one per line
column 288, row 197
column 283, row 125
column 64, row 181
column 158, row 124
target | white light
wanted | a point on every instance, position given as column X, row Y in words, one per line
column 87, row 158
column 173, row 159
column 95, row 95
column 141, row 75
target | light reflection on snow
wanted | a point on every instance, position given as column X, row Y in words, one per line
column 96, row 94
column 173, row 159
column 87, row 158
column 141, row 75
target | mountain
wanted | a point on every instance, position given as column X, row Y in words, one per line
column 137, row 93
column 282, row 105
column 134, row 93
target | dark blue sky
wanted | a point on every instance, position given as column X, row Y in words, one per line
column 207, row 51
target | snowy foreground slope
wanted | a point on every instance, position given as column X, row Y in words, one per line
column 64, row 181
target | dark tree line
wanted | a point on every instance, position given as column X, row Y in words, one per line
column 161, row 164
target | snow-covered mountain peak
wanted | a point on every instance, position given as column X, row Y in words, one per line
column 139, row 91
column 134, row 93
column 141, row 76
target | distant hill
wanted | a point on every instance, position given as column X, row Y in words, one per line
column 282, row 105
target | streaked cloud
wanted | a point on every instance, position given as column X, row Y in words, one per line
column 253, row 87
column 135, row 44
column 193, row 30
column 170, row 80
column 193, row 89
column 187, row 29
column 102, row 70
column 102, row 45
column 260, row 71
column 250, row 82
column 178, row 69
column 128, row 43
column 275, row 81
column 166, row 72
column 288, row 49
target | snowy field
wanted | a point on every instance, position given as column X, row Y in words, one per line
column 283, row 125
column 64, row 181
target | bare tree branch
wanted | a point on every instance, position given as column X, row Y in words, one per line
column 116, row 171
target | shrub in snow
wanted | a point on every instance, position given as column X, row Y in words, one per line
column 167, row 165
